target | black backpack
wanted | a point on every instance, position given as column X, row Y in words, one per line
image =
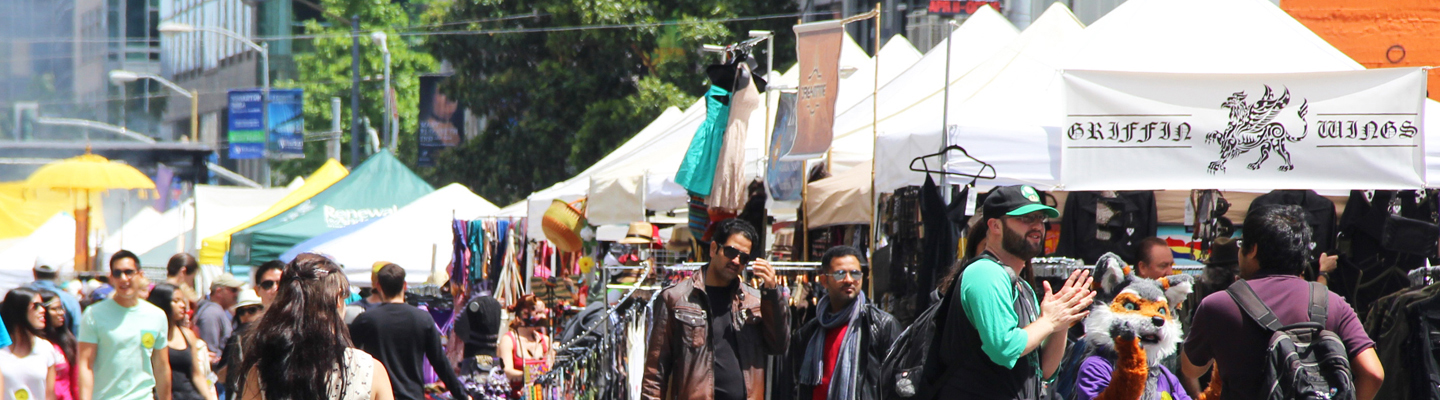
column 902, row 373
column 1304, row 361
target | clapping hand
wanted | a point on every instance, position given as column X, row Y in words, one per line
column 1071, row 304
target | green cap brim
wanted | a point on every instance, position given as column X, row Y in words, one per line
column 1029, row 208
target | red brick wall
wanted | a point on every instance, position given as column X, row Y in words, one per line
column 1377, row 33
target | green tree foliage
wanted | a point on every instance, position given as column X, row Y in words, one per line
column 325, row 73
column 558, row 99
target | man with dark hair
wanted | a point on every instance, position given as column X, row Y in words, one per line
column 401, row 336
column 838, row 354
column 180, row 271
column 46, row 274
column 267, row 280
column 1274, row 250
column 1153, row 259
column 998, row 339
column 122, row 353
column 710, row 334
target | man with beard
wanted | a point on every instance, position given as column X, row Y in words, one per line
column 837, row 355
column 995, row 342
column 710, row 334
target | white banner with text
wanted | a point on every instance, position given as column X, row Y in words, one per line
column 1321, row 130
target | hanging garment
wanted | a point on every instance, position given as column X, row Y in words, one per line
column 699, row 217
column 937, row 254
column 697, row 169
column 476, row 239
column 755, row 214
column 1095, row 223
column 1368, row 270
column 728, row 190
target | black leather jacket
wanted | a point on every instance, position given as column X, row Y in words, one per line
column 880, row 330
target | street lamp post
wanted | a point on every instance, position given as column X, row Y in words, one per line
column 121, row 76
column 390, row 127
column 264, row 49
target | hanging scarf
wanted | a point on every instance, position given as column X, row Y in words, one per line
column 843, row 381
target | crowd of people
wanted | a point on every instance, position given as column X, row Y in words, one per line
column 296, row 331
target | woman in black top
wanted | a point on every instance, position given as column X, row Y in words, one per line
column 187, row 354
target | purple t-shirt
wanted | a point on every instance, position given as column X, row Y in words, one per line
column 1094, row 377
column 1222, row 332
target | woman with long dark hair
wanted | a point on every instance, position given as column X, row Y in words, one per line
column 29, row 363
column 64, row 341
column 188, row 355
column 300, row 348
column 526, row 347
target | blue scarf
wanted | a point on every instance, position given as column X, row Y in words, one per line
column 844, row 380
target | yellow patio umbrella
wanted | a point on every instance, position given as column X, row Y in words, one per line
column 87, row 173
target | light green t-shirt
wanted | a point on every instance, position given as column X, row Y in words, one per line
column 125, row 339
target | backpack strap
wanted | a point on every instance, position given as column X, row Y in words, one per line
column 1319, row 302
column 1246, row 298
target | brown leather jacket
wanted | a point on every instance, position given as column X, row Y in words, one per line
column 679, row 361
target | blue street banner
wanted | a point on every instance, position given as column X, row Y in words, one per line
column 287, row 125
column 442, row 121
column 246, row 138
column 784, row 177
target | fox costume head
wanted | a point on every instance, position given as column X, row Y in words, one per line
column 1126, row 304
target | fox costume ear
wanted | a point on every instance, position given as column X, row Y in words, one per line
column 1110, row 272
column 1177, row 288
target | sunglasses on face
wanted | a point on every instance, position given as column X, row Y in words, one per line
column 840, row 275
column 37, row 306
column 732, row 252
column 123, row 272
column 268, row 284
column 247, row 311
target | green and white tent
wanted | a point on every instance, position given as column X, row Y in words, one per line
column 379, row 187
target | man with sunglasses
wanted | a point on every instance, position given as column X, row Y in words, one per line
column 122, row 353
column 267, row 280
column 998, row 339
column 710, row 334
column 838, row 354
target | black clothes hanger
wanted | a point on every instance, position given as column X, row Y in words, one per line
column 976, row 176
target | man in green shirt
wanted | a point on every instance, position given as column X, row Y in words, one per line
column 1000, row 340
column 122, row 354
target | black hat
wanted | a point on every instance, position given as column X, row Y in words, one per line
column 1015, row 200
column 1224, row 251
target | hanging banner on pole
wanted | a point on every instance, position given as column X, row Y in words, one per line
column 784, row 177
column 818, row 49
column 1322, row 130
column 245, row 135
column 441, row 121
column 287, row 124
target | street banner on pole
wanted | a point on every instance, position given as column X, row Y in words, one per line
column 244, row 133
column 1321, row 130
column 441, row 121
column 287, row 124
column 784, row 177
column 818, row 48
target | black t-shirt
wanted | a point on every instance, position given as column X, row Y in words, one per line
column 729, row 380
column 401, row 337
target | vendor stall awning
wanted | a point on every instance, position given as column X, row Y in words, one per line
column 214, row 248
column 418, row 237
column 376, row 188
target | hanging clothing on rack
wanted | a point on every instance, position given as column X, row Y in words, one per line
column 728, row 190
column 1095, row 223
column 1369, row 268
column 937, row 254
column 697, row 169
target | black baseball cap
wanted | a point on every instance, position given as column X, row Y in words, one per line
column 1015, row 200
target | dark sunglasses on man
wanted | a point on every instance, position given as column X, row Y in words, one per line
column 123, row 272
column 732, row 252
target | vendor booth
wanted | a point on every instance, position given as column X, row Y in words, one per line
column 214, row 248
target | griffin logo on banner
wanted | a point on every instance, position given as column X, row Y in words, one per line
column 818, row 50
column 1253, row 127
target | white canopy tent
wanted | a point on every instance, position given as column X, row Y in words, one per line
column 1181, row 36
column 224, row 207
column 1002, row 109
column 53, row 242
column 981, row 36
column 417, row 237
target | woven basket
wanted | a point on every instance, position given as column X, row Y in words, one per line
column 562, row 224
